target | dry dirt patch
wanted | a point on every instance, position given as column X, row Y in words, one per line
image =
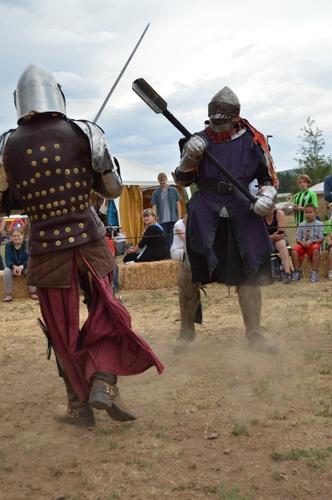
column 220, row 423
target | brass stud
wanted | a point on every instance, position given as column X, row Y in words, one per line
column 41, row 233
column 48, row 205
column 55, row 203
column 58, row 170
column 77, row 184
column 82, row 207
column 58, row 212
column 62, row 203
column 67, row 229
column 75, row 170
column 24, row 197
column 57, row 158
column 73, row 209
column 84, row 235
column 45, row 159
column 52, row 213
column 84, row 183
column 56, row 146
column 44, row 193
column 33, row 208
column 86, row 196
column 42, row 148
column 47, row 173
column 37, row 194
column 68, row 185
column 29, row 151
column 41, row 206
column 72, row 199
column 71, row 239
column 56, row 232
column 87, row 204
column 52, row 190
column 67, row 171
column 35, row 217
column 44, row 216
column 81, row 225
column 37, row 175
column 32, row 180
column 61, row 188
column 83, row 169
column 64, row 211
column 33, row 163
column 28, row 209
column 44, row 245
column 29, row 196
column 58, row 243
column 24, row 183
column 18, row 186
column 80, row 197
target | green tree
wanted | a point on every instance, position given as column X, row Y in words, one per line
column 310, row 158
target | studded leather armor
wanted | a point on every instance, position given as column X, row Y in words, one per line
column 48, row 165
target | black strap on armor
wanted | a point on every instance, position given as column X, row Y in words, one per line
column 216, row 187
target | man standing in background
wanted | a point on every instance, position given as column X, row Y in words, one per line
column 166, row 204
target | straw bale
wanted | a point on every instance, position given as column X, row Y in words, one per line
column 322, row 269
column 20, row 290
column 149, row 275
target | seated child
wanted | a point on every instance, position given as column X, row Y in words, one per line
column 309, row 237
column 328, row 242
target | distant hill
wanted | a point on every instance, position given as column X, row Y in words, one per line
column 287, row 181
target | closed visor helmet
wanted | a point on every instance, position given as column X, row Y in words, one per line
column 37, row 90
column 223, row 108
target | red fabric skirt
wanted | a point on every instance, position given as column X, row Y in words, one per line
column 106, row 341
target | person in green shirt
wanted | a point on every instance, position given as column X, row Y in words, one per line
column 303, row 198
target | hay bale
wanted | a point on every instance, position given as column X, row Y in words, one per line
column 149, row 275
column 20, row 290
column 322, row 269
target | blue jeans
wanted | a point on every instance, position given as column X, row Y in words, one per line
column 168, row 229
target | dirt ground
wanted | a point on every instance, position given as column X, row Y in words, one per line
column 221, row 422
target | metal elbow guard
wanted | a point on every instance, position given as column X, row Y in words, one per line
column 112, row 183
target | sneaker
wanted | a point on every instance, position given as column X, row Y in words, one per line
column 297, row 275
column 314, row 277
column 330, row 275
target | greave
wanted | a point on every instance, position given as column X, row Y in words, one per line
column 250, row 300
column 189, row 301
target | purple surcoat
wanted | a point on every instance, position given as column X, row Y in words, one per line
column 246, row 162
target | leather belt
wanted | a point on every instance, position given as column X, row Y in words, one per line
column 216, row 187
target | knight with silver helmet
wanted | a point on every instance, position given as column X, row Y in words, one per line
column 227, row 240
column 49, row 165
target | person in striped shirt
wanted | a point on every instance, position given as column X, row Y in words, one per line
column 303, row 198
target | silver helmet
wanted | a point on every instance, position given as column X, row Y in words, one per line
column 223, row 108
column 37, row 90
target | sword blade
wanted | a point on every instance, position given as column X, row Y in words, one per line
column 120, row 75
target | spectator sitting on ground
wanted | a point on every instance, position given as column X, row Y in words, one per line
column 309, row 237
column 166, row 205
column 153, row 245
column 275, row 223
column 327, row 245
column 177, row 248
column 303, row 198
column 16, row 258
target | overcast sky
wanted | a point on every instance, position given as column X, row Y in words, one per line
column 276, row 56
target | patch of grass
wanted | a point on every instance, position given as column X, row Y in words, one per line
column 139, row 464
column 240, row 430
column 313, row 355
column 232, row 494
column 324, row 410
column 56, row 471
column 254, row 421
column 262, row 389
column 278, row 416
column 314, row 457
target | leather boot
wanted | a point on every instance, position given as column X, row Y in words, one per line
column 104, row 395
column 250, row 301
column 76, row 412
column 190, row 307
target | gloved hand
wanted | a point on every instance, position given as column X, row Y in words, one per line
column 265, row 200
column 195, row 147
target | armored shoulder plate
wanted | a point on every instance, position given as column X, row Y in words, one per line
column 107, row 179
